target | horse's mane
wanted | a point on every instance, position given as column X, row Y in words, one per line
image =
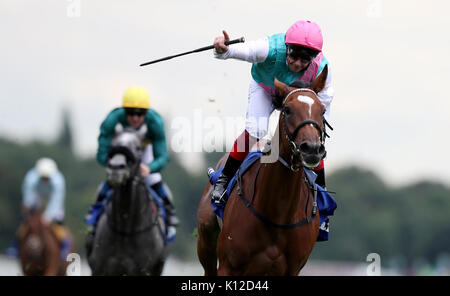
column 277, row 100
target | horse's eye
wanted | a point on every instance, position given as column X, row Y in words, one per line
column 287, row 110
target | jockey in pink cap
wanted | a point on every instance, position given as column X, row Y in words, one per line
column 291, row 57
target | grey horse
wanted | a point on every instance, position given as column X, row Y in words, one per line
column 130, row 237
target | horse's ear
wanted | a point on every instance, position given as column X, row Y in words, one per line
column 118, row 128
column 281, row 89
column 319, row 83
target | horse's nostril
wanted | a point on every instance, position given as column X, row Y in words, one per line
column 304, row 147
column 311, row 148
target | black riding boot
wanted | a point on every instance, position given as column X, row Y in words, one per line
column 228, row 172
column 172, row 219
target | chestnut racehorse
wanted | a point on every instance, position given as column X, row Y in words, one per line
column 271, row 225
column 39, row 249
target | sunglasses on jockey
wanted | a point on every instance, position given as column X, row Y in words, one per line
column 135, row 111
column 303, row 53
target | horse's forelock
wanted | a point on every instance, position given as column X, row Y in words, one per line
column 278, row 100
column 126, row 139
column 300, row 84
column 128, row 143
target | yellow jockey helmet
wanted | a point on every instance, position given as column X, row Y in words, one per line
column 136, row 97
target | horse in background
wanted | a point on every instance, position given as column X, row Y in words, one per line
column 130, row 237
column 39, row 248
column 271, row 219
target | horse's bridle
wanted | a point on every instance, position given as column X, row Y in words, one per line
column 290, row 137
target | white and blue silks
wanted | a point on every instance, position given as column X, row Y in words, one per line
column 325, row 202
column 35, row 192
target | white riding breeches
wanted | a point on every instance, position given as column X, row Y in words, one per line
column 258, row 110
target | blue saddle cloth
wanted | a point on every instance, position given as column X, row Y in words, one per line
column 325, row 202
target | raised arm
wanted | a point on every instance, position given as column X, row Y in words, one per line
column 252, row 51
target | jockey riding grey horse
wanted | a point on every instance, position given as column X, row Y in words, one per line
column 131, row 235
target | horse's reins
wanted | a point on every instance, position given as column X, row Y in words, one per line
column 290, row 137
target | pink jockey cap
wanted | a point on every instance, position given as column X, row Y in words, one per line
column 305, row 33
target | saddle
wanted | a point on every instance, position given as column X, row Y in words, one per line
column 325, row 202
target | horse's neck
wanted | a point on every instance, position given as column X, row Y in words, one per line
column 47, row 242
column 36, row 227
column 283, row 190
column 129, row 205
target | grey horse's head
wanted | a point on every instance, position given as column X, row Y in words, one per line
column 125, row 153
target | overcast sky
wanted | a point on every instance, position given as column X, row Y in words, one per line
column 389, row 61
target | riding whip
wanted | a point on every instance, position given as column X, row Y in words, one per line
column 242, row 39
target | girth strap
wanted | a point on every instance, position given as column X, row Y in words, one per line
column 249, row 205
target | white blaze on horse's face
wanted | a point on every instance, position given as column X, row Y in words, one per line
column 307, row 100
